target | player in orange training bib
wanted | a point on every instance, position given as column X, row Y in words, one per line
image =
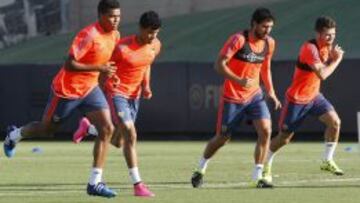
column 318, row 59
column 244, row 59
column 133, row 56
column 76, row 87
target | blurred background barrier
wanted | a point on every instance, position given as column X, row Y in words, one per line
column 185, row 98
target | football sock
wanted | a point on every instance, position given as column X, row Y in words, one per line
column 92, row 131
column 270, row 157
column 95, row 176
column 203, row 163
column 15, row 135
column 329, row 150
column 134, row 175
column 257, row 173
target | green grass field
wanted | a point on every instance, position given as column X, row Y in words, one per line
column 60, row 174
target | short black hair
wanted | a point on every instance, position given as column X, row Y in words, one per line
column 261, row 14
column 150, row 19
column 105, row 5
column 324, row 22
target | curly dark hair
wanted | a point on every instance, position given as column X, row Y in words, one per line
column 105, row 5
column 150, row 19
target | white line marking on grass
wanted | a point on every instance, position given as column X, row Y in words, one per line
column 212, row 185
column 247, row 184
column 321, row 180
column 39, row 193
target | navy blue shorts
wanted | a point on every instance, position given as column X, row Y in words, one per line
column 231, row 114
column 58, row 108
column 123, row 109
column 292, row 114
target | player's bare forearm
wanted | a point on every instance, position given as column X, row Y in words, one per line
column 146, row 79
column 266, row 77
column 271, row 92
column 222, row 68
column 147, row 92
column 146, row 83
column 72, row 65
column 328, row 70
column 324, row 71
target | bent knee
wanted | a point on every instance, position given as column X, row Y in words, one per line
column 266, row 132
column 106, row 130
column 127, row 126
column 336, row 123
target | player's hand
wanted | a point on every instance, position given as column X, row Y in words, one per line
column 147, row 93
column 248, row 82
column 109, row 68
column 277, row 103
column 337, row 52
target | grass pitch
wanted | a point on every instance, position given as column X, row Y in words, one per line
column 59, row 173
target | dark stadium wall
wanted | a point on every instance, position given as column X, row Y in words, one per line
column 80, row 16
column 185, row 97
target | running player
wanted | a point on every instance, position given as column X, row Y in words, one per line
column 76, row 87
column 317, row 60
column 244, row 59
column 133, row 56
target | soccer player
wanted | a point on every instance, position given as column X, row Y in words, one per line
column 76, row 87
column 317, row 60
column 133, row 56
column 244, row 59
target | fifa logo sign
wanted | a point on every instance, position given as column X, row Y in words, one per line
column 204, row 96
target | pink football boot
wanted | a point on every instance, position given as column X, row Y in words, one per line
column 141, row 190
column 82, row 130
